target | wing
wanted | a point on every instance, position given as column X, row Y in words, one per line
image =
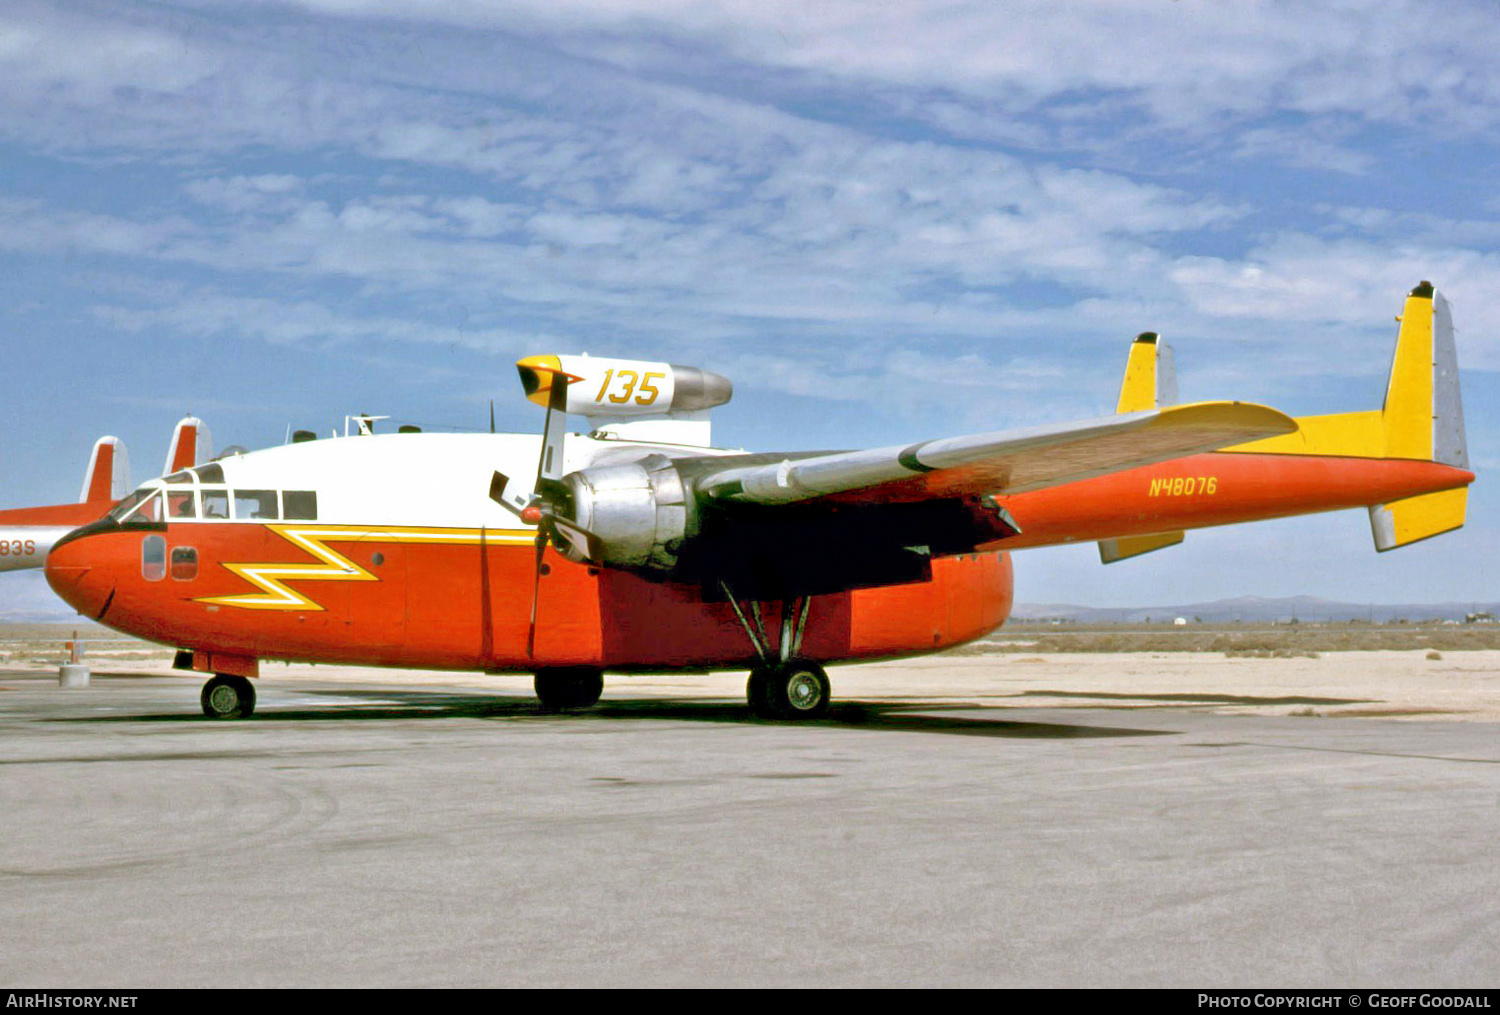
column 1006, row 461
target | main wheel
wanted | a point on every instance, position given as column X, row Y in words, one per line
column 226, row 697
column 792, row 690
column 567, row 688
column 755, row 688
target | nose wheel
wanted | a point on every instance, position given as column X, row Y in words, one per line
column 790, row 690
column 226, row 697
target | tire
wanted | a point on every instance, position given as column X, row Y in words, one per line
column 568, row 689
column 226, row 697
column 795, row 691
column 755, row 692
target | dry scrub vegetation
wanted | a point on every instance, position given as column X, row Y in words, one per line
column 1282, row 641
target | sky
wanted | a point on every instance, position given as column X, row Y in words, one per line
column 886, row 222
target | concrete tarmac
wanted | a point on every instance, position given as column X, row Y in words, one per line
column 384, row 835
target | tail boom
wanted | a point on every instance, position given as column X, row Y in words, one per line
column 1223, row 488
column 1407, row 462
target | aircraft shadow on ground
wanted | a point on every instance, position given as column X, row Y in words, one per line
column 903, row 717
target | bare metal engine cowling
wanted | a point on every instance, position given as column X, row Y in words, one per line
column 640, row 513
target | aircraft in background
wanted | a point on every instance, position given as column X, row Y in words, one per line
column 640, row 547
column 27, row 534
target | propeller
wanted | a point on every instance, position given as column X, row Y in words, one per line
column 549, row 505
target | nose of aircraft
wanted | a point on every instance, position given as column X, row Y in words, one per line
column 74, row 578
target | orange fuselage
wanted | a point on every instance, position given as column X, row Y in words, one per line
column 461, row 598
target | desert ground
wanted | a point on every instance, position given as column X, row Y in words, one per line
column 1429, row 671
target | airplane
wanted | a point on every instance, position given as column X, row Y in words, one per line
column 638, row 546
column 27, row 534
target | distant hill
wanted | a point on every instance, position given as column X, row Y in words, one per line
column 1252, row 609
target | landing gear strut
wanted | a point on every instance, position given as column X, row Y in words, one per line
column 226, row 697
column 568, row 688
column 782, row 686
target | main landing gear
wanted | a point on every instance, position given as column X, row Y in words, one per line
column 226, row 697
column 568, row 688
column 782, row 686
column 791, row 690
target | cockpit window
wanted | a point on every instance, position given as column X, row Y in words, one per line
column 178, row 477
column 216, row 504
column 181, row 504
column 125, row 506
column 142, row 506
column 250, row 504
column 213, row 472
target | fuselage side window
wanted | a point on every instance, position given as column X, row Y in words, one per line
column 216, row 504
column 153, row 558
column 181, row 504
column 300, row 505
column 184, row 563
column 255, row 504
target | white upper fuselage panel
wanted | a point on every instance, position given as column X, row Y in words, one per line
column 413, row 479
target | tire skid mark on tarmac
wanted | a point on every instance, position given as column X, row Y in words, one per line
column 297, row 809
column 1350, row 750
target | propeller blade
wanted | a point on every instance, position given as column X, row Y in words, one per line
column 536, row 587
column 500, row 494
column 550, row 466
column 577, row 536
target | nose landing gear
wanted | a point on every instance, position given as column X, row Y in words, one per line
column 568, row 688
column 228, row 697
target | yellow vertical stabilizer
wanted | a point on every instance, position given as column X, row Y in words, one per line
column 1150, row 382
column 1422, row 418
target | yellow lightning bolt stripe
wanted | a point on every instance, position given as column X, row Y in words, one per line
column 334, row 566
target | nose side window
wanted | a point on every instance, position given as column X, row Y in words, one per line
column 153, row 558
column 184, row 563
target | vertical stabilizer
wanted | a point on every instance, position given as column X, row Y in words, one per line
column 1150, row 375
column 107, row 478
column 1423, row 419
column 1150, row 382
column 1423, row 415
column 192, row 444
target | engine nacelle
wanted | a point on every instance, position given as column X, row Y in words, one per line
column 607, row 389
column 641, row 513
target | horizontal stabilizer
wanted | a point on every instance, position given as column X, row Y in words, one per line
column 1402, row 522
column 1113, row 550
